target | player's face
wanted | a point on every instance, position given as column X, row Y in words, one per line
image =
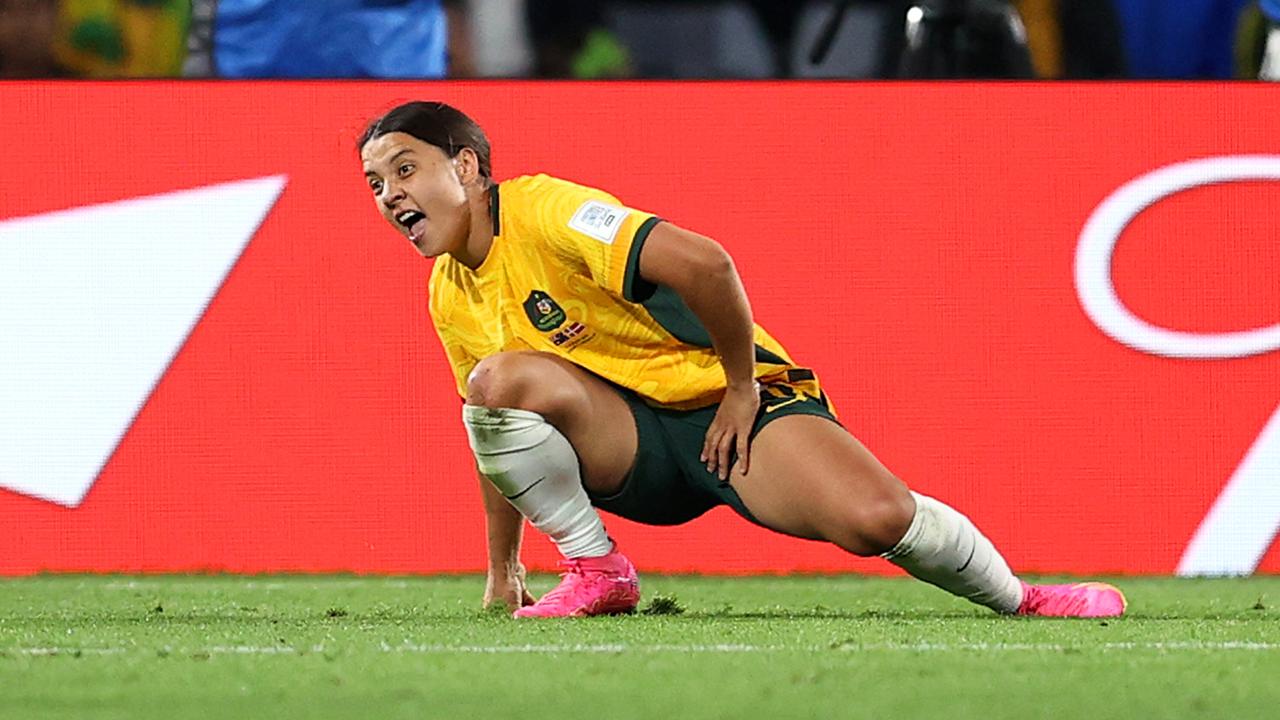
column 419, row 190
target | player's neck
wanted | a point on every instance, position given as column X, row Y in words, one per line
column 479, row 239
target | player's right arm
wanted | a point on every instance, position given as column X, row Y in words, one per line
column 504, row 527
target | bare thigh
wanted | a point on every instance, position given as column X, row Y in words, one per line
column 589, row 412
column 810, row 478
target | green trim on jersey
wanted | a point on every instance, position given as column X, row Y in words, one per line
column 495, row 213
column 674, row 315
column 668, row 308
column 634, row 287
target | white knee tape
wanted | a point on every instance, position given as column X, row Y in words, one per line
column 533, row 465
column 505, row 440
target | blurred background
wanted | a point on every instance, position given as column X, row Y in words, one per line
column 742, row 39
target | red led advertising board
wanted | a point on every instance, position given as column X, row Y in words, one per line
column 1054, row 306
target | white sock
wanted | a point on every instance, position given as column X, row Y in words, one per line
column 944, row 548
column 536, row 469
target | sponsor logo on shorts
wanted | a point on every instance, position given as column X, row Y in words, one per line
column 545, row 313
column 771, row 408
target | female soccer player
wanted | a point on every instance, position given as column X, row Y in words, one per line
column 608, row 358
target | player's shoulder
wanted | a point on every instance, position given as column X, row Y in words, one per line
column 528, row 191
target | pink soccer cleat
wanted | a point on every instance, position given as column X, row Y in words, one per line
column 605, row 585
column 1086, row 600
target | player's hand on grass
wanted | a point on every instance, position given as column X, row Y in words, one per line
column 507, row 587
column 730, row 431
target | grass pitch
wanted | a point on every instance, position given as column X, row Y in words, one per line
column 797, row 647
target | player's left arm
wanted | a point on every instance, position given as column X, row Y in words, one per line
column 702, row 273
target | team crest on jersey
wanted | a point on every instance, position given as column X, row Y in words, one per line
column 543, row 312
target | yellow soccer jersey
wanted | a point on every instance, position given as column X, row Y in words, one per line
column 562, row 277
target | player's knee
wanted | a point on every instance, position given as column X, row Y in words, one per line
column 502, row 381
column 877, row 521
column 518, row 380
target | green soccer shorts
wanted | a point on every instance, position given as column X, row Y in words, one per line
column 669, row 484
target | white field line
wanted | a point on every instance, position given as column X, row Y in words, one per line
column 622, row 648
column 167, row 583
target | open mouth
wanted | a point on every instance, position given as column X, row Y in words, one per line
column 414, row 222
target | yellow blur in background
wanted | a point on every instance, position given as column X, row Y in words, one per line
column 122, row 38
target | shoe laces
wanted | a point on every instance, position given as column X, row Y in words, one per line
column 570, row 579
column 572, row 566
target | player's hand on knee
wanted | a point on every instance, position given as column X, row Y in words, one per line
column 730, row 431
column 507, row 588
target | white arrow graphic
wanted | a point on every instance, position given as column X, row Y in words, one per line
column 95, row 302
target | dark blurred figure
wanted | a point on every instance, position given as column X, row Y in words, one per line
column 1250, row 45
column 26, row 38
column 685, row 39
column 779, row 20
column 572, row 39
column 1050, row 39
column 1074, row 39
column 977, row 39
column 1186, row 39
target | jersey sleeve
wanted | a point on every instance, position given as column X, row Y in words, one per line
column 594, row 232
